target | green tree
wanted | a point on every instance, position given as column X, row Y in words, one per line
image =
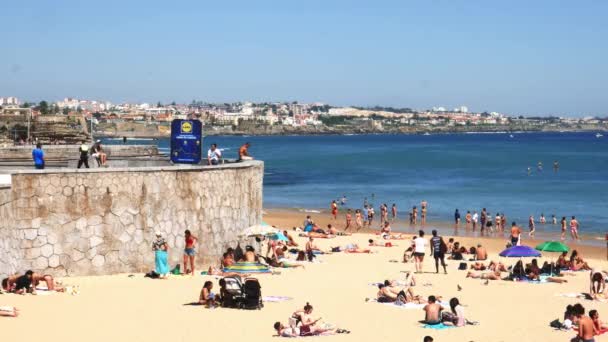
column 26, row 105
column 66, row 111
column 173, row 103
column 43, row 107
column 158, row 105
column 79, row 109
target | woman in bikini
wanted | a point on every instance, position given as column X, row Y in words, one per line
column 531, row 225
column 189, row 251
column 564, row 223
column 574, row 228
column 423, row 206
column 358, row 219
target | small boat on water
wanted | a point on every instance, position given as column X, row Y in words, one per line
column 427, row 133
column 599, row 135
column 511, row 136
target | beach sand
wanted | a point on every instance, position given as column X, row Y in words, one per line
column 123, row 308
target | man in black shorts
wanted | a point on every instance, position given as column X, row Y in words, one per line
column 438, row 250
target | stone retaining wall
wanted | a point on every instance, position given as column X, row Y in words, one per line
column 82, row 222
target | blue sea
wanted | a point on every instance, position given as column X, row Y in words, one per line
column 449, row 171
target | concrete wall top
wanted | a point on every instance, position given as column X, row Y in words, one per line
column 170, row 168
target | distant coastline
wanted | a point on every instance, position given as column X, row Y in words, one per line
column 326, row 130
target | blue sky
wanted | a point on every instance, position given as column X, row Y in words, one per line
column 518, row 57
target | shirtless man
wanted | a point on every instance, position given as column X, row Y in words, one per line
column 585, row 325
column 244, row 152
column 432, row 311
column 574, row 228
column 310, row 248
column 414, row 215
column 481, row 253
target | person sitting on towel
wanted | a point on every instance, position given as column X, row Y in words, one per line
column 432, row 311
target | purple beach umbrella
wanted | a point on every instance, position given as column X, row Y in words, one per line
column 520, row 252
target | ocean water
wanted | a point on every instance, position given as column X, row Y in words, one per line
column 464, row 171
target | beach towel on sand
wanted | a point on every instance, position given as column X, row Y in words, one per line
column 439, row 326
column 412, row 305
column 247, row 267
column 276, row 299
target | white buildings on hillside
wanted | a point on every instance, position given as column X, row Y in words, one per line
column 11, row 100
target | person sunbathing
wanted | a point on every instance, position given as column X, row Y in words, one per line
column 249, row 255
column 494, row 266
column 227, row 260
column 8, row 284
column 478, row 266
column 23, row 284
column 291, row 242
column 492, row 275
column 9, row 311
column 598, row 326
column 51, row 285
column 532, row 270
column 577, row 262
column 207, row 297
column 354, row 248
column 562, row 262
column 307, row 323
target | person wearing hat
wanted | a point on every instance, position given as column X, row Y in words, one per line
column 160, row 248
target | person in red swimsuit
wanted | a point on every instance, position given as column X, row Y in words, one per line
column 189, row 251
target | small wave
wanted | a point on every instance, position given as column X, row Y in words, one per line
column 309, row 211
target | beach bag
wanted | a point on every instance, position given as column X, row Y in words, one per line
column 152, row 275
column 176, row 270
column 335, row 249
column 462, row 266
column 555, row 324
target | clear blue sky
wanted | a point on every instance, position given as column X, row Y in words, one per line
column 518, row 57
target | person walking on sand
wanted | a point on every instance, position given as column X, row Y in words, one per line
column 423, row 208
column 189, row 251
column 438, row 250
column 419, row 250
column 498, row 222
column 456, row 219
column 334, row 209
column 563, row 224
column 531, row 226
column 515, row 234
column 349, row 219
column 574, row 228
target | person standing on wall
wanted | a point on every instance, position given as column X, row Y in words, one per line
column 38, row 156
column 84, row 155
column 214, row 155
column 189, row 251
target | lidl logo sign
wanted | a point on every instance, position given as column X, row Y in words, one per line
column 186, row 127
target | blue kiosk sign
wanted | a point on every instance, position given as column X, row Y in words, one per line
column 186, row 141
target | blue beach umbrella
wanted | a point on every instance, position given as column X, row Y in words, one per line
column 520, row 252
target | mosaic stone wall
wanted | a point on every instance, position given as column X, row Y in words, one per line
column 82, row 222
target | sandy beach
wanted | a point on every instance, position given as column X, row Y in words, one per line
column 127, row 308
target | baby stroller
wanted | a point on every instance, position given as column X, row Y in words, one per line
column 240, row 294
